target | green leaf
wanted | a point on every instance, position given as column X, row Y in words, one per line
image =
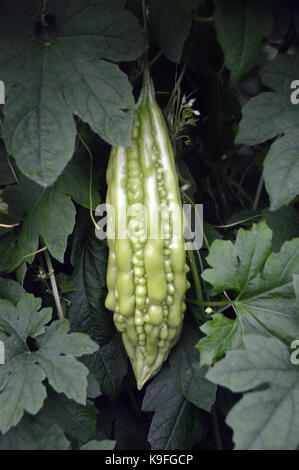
column 99, row 445
column 6, row 172
column 77, row 421
column 271, row 114
column 31, row 436
column 262, row 285
column 240, row 28
column 48, row 213
column 177, row 424
column 88, row 314
column 281, row 170
column 185, row 372
column 21, row 390
column 22, row 376
column 171, row 21
column 222, row 334
column 48, row 80
column 284, row 224
column 10, row 290
column 267, row 419
column 56, row 355
column 65, row 283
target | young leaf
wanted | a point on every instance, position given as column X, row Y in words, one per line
column 222, row 334
column 177, row 424
column 262, row 282
column 267, row 419
column 240, row 28
column 53, row 357
column 62, row 73
column 271, row 114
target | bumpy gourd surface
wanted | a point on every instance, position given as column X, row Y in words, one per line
column 146, row 277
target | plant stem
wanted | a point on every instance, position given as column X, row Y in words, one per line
column 209, row 303
column 258, row 192
column 216, row 429
column 138, row 74
column 241, row 190
column 144, row 17
column 197, row 285
column 239, row 222
column 54, row 285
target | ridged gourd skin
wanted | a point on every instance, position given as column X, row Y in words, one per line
column 146, row 277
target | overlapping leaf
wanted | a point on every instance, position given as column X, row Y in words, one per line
column 22, row 375
column 271, row 114
column 240, row 28
column 266, row 419
column 186, row 373
column 60, row 72
column 48, row 213
column 88, row 314
column 76, row 420
column 262, row 285
column 171, row 22
column 177, row 424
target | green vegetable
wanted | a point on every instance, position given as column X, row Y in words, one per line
column 146, row 275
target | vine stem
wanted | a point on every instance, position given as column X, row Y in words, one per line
column 90, row 180
column 258, row 192
column 144, row 17
column 54, row 285
column 197, row 284
column 216, row 429
column 210, row 303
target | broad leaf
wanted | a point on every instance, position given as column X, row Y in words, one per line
column 77, row 421
column 10, row 290
column 22, row 375
column 48, row 213
column 56, row 356
column 266, row 419
column 88, row 314
column 271, row 114
column 262, row 285
column 51, row 75
column 177, row 424
column 284, row 223
column 240, row 28
column 31, row 436
column 188, row 377
column 171, row 21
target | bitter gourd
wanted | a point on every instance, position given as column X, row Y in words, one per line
column 146, row 274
